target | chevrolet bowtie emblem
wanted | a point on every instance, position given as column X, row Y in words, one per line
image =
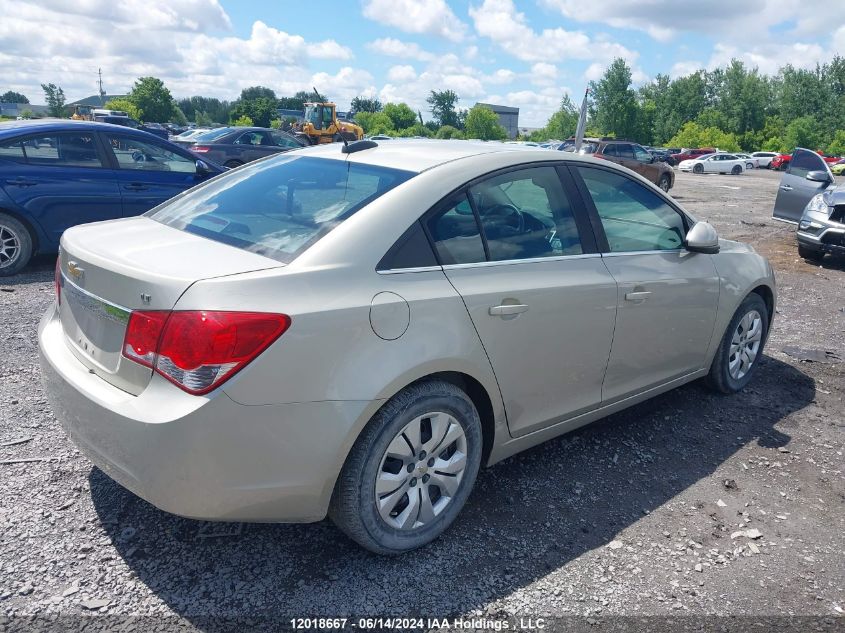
column 74, row 270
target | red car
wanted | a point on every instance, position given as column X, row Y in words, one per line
column 693, row 153
column 781, row 162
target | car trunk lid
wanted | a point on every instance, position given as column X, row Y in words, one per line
column 110, row 269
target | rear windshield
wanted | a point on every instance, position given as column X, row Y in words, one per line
column 212, row 134
column 281, row 206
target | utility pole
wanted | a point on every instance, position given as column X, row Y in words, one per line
column 100, row 83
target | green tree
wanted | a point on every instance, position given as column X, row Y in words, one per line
column 448, row 131
column 276, row 124
column 210, row 108
column 417, row 129
column 257, row 92
column 563, row 123
column 836, row 147
column 483, row 123
column 13, row 97
column 27, row 114
column 125, row 105
column 443, row 104
column 375, row 123
column 401, row 115
column 153, row 100
column 365, row 104
column 202, row 119
column 694, row 135
column 261, row 110
column 614, row 107
column 803, row 132
column 243, row 121
column 55, row 98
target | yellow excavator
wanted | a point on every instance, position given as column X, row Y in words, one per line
column 322, row 126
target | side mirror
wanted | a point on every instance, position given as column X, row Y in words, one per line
column 202, row 168
column 818, row 176
column 702, row 238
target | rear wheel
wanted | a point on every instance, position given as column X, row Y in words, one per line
column 411, row 470
column 741, row 347
column 737, row 170
column 15, row 245
column 698, row 169
column 810, row 254
column 231, row 164
column 665, row 183
column 749, row 165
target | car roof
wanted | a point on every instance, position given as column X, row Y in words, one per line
column 419, row 155
column 41, row 126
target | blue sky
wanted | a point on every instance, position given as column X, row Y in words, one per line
column 524, row 53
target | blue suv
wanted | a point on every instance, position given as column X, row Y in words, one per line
column 55, row 174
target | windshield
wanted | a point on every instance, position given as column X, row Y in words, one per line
column 279, row 207
column 212, row 135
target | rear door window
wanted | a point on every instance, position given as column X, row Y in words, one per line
column 280, row 207
column 12, row 151
column 62, row 150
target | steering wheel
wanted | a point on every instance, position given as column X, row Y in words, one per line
column 510, row 214
column 139, row 157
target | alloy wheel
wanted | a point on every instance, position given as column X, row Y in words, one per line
column 10, row 246
column 421, row 471
column 745, row 344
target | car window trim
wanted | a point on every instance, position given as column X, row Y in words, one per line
column 22, row 139
column 513, row 262
column 595, row 219
column 588, row 239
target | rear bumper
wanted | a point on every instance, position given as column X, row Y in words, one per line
column 201, row 457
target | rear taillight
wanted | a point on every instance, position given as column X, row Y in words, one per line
column 201, row 149
column 58, row 277
column 199, row 350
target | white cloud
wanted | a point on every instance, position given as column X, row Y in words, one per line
column 392, row 47
column 543, row 74
column 401, row 73
column 432, row 17
column 175, row 15
column 344, row 85
column 499, row 21
column 679, row 69
column 501, row 76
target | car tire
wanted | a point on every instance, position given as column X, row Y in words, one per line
column 732, row 368
column 15, row 245
column 736, row 170
column 232, row 164
column 665, row 183
column 698, row 169
column 749, row 166
column 810, row 254
column 376, row 523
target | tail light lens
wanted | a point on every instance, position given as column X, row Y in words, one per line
column 200, row 149
column 199, row 350
column 58, row 277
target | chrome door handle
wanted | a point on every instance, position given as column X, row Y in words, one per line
column 508, row 309
column 637, row 296
column 786, row 187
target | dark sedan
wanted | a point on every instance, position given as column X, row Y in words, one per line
column 55, row 174
column 235, row 146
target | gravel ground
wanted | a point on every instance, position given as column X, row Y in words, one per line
column 689, row 504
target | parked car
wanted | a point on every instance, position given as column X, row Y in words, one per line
column 235, row 146
column 631, row 155
column 838, row 168
column 691, row 154
column 187, row 136
column 58, row 173
column 662, row 154
column 125, row 121
column 781, row 161
column 714, row 164
column 808, row 196
column 354, row 333
column 750, row 161
column 764, row 158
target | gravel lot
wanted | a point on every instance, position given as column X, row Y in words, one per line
column 689, row 504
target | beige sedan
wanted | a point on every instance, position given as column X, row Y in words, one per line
column 354, row 331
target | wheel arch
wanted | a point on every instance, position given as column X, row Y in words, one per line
column 768, row 298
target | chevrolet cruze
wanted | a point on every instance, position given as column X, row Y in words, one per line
column 354, row 331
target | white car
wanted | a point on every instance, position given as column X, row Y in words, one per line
column 764, row 158
column 750, row 161
column 714, row 164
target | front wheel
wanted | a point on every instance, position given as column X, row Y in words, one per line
column 741, row 347
column 15, row 245
column 411, row 470
column 737, row 170
column 698, row 169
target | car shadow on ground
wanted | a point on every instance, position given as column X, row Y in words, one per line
column 528, row 516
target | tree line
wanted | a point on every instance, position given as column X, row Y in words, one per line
column 731, row 108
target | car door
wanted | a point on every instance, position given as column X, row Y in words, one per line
column 795, row 190
column 59, row 179
column 712, row 165
column 667, row 296
column 537, row 292
column 148, row 171
column 644, row 163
